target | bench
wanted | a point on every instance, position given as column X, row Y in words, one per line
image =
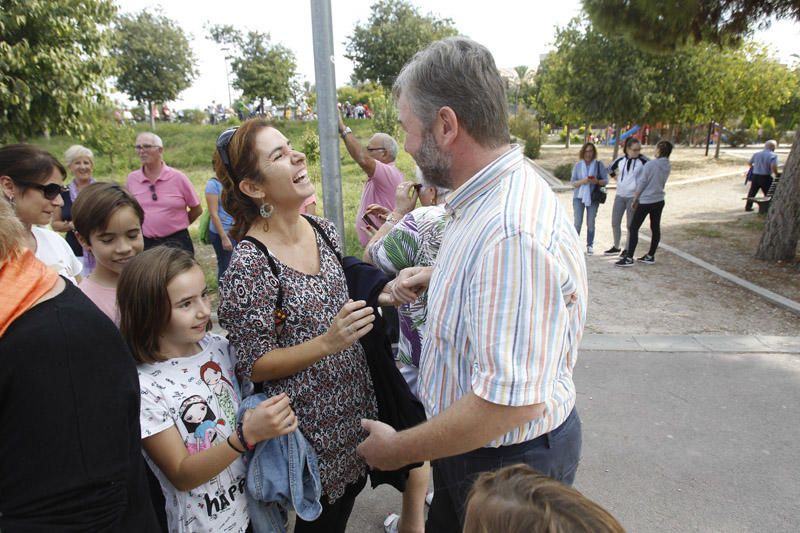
column 765, row 201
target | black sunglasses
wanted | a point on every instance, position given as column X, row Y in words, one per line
column 50, row 191
column 223, row 141
column 153, row 194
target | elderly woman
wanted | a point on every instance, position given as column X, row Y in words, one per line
column 410, row 237
column 80, row 162
column 167, row 196
column 284, row 303
column 587, row 174
column 71, row 457
column 32, row 181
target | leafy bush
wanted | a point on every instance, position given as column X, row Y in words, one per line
column 573, row 139
column 525, row 128
column 384, row 117
column 310, row 145
column 193, row 116
column 563, row 171
column 740, row 138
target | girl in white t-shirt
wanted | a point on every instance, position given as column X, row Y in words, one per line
column 189, row 434
column 108, row 224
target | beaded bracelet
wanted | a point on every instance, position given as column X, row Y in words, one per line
column 240, row 433
column 234, row 448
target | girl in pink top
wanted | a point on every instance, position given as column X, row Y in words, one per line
column 108, row 222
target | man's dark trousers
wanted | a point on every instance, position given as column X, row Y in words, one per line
column 556, row 454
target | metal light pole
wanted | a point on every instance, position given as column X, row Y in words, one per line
column 322, row 34
column 227, row 80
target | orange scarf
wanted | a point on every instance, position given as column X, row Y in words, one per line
column 23, row 280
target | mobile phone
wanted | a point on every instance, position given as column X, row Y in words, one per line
column 367, row 219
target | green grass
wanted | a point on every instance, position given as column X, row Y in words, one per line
column 189, row 147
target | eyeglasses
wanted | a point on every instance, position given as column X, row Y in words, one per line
column 153, row 194
column 417, row 187
column 140, row 147
column 50, row 191
column 375, row 149
column 223, row 141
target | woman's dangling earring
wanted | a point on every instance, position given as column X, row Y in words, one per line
column 266, row 210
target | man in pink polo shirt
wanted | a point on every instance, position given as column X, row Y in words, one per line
column 383, row 177
column 166, row 195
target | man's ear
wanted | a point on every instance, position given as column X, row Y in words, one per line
column 446, row 126
column 250, row 188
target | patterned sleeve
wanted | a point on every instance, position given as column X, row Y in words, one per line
column 247, row 298
column 154, row 414
column 399, row 248
column 330, row 230
column 518, row 310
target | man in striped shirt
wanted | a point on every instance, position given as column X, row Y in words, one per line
column 507, row 296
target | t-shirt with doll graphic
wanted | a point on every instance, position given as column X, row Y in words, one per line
column 198, row 395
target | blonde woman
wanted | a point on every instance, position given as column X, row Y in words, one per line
column 80, row 163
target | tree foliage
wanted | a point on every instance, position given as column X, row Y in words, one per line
column 262, row 70
column 658, row 25
column 154, row 60
column 52, row 66
column 394, row 33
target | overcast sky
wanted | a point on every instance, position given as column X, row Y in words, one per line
column 516, row 31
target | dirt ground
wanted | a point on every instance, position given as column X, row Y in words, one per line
column 675, row 297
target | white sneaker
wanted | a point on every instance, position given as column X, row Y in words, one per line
column 589, row 250
column 390, row 524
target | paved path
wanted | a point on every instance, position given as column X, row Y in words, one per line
column 674, row 434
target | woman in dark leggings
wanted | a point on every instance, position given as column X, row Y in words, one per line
column 649, row 200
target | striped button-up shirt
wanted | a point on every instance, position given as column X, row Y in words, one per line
column 507, row 299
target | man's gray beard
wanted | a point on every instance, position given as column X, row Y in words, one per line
column 433, row 164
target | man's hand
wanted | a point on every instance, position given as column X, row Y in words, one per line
column 378, row 448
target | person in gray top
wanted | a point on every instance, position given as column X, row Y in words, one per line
column 764, row 165
column 649, row 200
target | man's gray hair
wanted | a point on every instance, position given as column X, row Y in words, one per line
column 75, row 151
column 460, row 74
column 388, row 142
column 156, row 139
column 771, row 144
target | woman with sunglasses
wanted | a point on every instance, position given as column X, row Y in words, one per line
column 32, row 181
column 284, row 303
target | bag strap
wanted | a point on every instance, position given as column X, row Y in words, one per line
column 279, row 314
column 324, row 236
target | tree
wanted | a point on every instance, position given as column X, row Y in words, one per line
column 601, row 79
column 658, row 26
column 394, row 33
column 52, row 66
column 717, row 22
column 553, row 105
column 262, row 70
column 154, row 60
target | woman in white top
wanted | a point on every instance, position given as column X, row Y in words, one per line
column 32, row 181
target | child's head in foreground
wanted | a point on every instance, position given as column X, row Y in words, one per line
column 517, row 499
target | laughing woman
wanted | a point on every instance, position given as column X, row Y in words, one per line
column 284, row 303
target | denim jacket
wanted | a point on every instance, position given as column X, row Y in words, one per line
column 282, row 473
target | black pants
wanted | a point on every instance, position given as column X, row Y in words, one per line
column 555, row 454
column 179, row 239
column 758, row 181
column 641, row 212
column 334, row 515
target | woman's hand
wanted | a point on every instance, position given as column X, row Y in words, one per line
column 226, row 243
column 405, row 198
column 271, row 418
column 352, row 322
column 410, row 283
column 378, row 210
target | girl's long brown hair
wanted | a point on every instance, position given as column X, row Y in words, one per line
column 144, row 306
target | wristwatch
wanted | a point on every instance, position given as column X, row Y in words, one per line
column 391, row 218
column 346, row 131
